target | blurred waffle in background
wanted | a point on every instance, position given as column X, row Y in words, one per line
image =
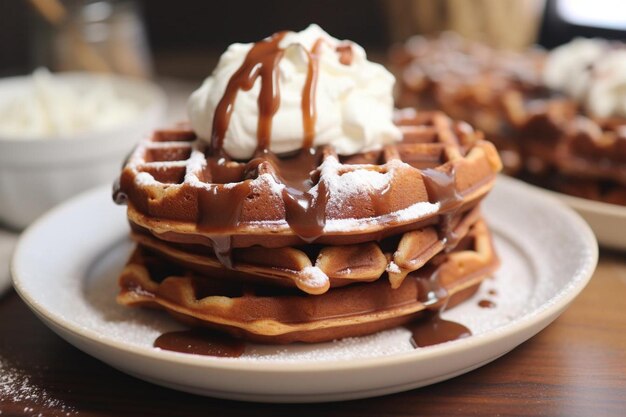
column 557, row 117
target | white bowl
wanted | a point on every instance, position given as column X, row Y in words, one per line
column 38, row 173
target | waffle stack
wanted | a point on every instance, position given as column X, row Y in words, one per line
column 542, row 136
column 311, row 246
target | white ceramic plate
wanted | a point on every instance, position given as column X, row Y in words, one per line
column 66, row 264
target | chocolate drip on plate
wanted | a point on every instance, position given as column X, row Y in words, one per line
column 433, row 330
column 200, row 341
column 486, row 304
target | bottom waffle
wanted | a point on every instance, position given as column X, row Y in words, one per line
column 284, row 315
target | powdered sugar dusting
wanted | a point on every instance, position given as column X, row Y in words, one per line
column 314, row 277
column 143, row 179
column 393, row 268
column 355, row 182
column 416, row 211
column 17, row 387
column 351, row 181
column 269, row 180
column 344, row 185
column 411, row 213
column 381, row 344
column 195, row 164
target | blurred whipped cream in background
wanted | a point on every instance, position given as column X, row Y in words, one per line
column 53, row 107
column 592, row 71
column 354, row 101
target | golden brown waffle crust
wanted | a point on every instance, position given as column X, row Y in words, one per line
column 348, row 311
column 165, row 178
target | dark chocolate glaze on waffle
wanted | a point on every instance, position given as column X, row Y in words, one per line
column 441, row 187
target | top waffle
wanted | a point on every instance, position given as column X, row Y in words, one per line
column 174, row 186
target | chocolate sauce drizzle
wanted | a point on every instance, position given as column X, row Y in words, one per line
column 220, row 210
column 309, row 110
column 441, row 187
column 261, row 61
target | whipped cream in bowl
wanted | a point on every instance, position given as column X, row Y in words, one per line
column 54, row 107
column 300, row 89
column 63, row 133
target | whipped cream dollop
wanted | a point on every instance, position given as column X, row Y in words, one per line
column 353, row 98
column 592, row 71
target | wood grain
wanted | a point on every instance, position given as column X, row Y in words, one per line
column 575, row 367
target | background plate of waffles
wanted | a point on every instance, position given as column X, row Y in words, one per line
column 547, row 255
column 556, row 116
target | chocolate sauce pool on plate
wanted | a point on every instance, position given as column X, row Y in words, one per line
column 200, row 341
column 433, row 330
column 486, row 304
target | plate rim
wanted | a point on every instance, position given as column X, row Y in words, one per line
column 551, row 307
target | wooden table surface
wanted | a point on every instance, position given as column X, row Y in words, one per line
column 575, row 367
